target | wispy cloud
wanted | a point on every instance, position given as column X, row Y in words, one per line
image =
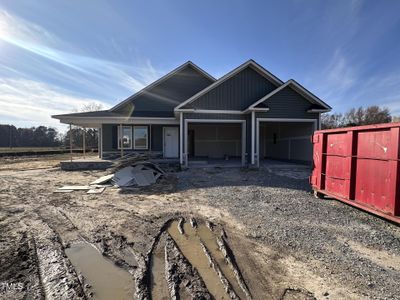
column 93, row 71
column 31, row 101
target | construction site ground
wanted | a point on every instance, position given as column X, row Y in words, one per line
column 283, row 242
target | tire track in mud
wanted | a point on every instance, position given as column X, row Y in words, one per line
column 206, row 258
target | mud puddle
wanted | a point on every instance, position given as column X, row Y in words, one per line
column 159, row 286
column 209, row 240
column 189, row 244
column 107, row 281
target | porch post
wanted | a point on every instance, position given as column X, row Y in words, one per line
column 252, row 135
column 100, row 141
column 84, row 141
column 70, row 140
column 244, row 143
column 181, row 138
column 121, row 144
column 258, row 142
column 186, row 144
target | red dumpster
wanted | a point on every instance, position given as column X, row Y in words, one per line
column 360, row 166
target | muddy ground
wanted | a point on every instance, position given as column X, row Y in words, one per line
column 262, row 232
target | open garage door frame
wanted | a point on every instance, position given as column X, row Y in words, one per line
column 210, row 121
column 281, row 120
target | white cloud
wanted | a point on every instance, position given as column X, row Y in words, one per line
column 89, row 71
column 26, row 101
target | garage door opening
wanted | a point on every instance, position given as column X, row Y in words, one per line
column 286, row 141
column 215, row 143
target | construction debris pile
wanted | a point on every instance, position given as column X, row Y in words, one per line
column 130, row 170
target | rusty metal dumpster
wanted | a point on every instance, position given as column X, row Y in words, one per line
column 360, row 166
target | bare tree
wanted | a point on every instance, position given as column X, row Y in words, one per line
column 357, row 116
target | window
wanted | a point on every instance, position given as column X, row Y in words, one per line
column 140, row 137
column 126, row 137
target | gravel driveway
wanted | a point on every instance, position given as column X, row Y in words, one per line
column 275, row 206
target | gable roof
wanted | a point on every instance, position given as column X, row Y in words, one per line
column 250, row 63
column 162, row 79
column 299, row 89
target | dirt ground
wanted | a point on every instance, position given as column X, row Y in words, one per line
column 279, row 241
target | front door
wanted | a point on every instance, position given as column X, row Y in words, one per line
column 171, row 142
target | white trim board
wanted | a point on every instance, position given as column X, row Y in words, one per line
column 163, row 78
column 272, row 78
column 298, row 88
column 117, row 120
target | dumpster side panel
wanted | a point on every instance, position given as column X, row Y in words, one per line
column 374, row 144
column 373, row 184
column 337, row 144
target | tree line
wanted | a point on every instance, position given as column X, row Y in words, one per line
column 42, row 136
column 358, row 116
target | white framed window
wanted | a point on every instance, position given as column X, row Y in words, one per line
column 126, row 139
column 140, row 137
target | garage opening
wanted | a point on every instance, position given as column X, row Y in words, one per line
column 286, row 141
column 212, row 143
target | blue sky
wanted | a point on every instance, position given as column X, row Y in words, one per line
column 56, row 56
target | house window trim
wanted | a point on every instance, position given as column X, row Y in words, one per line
column 119, row 137
column 147, row 138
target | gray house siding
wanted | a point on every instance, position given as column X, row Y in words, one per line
column 164, row 97
column 236, row 93
column 288, row 104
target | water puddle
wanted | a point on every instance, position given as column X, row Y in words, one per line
column 159, row 287
column 107, row 280
column 189, row 244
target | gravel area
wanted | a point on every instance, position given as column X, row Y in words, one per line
column 275, row 206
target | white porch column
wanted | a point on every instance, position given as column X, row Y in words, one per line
column 120, row 143
column 253, row 119
column 258, row 142
column 100, row 141
column 70, row 140
column 181, row 138
column 84, row 142
column 244, row 143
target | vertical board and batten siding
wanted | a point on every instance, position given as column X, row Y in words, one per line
column 169, row 93
column 288, row 104
column 236, row 93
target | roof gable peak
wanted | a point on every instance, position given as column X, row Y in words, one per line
column 162, row 79
column 249, row 63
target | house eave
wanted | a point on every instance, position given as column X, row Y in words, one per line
column 86, row 121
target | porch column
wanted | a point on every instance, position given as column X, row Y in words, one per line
column 181, row 138
column 244, row 143
column 100, row 142
column 253, row 119
column 258, row 142
column 84, row 141
column 121, row 144
column 70, row 140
